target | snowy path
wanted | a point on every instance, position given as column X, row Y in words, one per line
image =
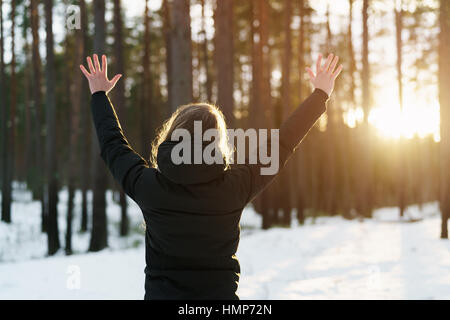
column 331, row 259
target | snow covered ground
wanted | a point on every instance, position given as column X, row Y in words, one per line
column 328, row 258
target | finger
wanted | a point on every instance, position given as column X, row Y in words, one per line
column 91, row 66
column 85, row 72
column 311, row 74
column 116, row 79
column 333, row 64
column 328, row 62
column 319, row 62
column 97, row 63
column 338, row 71
column 104, row 64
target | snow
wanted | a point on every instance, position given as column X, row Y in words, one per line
column 327, row 258
column 23, row 239
column 338, row 259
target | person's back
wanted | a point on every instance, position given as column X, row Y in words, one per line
column 192, row 231
column 192, row 211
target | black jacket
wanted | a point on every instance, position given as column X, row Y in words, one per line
column 192, row 212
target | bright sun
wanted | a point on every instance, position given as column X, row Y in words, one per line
column 414, row 120
column 418, row 118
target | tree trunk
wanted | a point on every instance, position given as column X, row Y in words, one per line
column 6, row 183
column 255, row 99
column 99, row 235
column 365, row 201
column 348, row 203
column 27, row 143
column 167, row 27
column 12, row 117
column 51, row 170
column 180, row 76
column 402, row 183
column 351, row 53
column 36, row 179
column 204, row 48
column 119, row 95
column 285, row 181
column 147, row 113
column 263, row 91
column 331, row 141
column 86, row 127
column 298, row 174
column 444, row 99
column 224, row 50
column 76, row 102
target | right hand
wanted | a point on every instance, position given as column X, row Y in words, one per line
column 98, row 77
column 325, row 76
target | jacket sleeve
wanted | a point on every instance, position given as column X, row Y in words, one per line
column 124, row 163
column 291, row 134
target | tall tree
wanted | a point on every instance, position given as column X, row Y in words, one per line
column 286, row 61
column 346, row 140
column 180, row 54
column 6, row 202
column 330, row 184
column 11, row 134
column 261, row 93
column 351, row 54
column 74, row 125
column 402, row 184
column 256, row 85
column 6, row 193
column 167, row 26
column 86, row 125
column 365, row 178
column 99, row 235
column 13, row 103
column 224, row 49
column 51, row 168
column 26, row 140
column 119, row 95
column 205, row 55
column 147, row 125
column 298, row 172
column 37, row 112
column 444, row 99
column 285, row 180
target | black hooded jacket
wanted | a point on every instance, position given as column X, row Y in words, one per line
column 192, row 212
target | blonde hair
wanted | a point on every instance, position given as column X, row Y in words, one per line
column 184, row 118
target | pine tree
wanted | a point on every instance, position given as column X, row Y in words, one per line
column 99, row 235
column 51, row 168
column 119, row 95
column 180, row 71
column 224, row 49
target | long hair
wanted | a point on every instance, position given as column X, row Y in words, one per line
column 184, row 118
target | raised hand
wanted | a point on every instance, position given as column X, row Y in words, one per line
column 98, row 77
column 325, row 76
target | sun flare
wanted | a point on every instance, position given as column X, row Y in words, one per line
column 419, row 118
column 414, row 120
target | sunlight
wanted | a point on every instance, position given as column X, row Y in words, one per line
column 420, row 116
column 417, row 119
column 353, row 117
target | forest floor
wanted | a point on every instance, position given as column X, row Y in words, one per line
column 327, row 258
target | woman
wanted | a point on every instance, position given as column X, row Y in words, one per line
column 192, row 211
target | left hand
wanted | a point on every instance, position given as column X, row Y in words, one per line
column 98, row 77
